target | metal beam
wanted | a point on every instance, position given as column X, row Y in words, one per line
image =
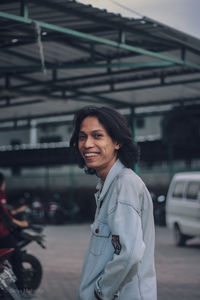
column 168, row 73
column 76, row 97
column 92, row 38
column 147, row 86
column 95, row 97
column 35, row 68
column 19, row 103
column 100, row 94
column 79, row 96
column 52, row 83
column 118, row 80
column 169, row 101
column 24, row 9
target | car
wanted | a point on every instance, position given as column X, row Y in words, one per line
column 183, row 206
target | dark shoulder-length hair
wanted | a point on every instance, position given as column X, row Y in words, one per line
column 117, row 128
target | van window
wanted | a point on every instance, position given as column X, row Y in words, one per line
column 192, row 190
column 178, row 189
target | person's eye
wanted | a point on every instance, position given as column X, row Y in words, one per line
column 98, row 135
column 81, row 137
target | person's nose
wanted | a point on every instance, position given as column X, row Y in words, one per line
column 89, row 143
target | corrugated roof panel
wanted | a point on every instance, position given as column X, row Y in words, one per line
column 105, row 52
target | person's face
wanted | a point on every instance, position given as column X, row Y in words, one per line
column 97, row 148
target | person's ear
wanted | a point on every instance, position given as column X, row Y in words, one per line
column 117, row 146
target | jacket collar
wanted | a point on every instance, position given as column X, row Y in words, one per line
column 102, row 187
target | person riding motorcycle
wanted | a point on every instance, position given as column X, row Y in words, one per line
column 7, row 225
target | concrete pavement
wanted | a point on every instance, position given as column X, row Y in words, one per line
column 178, row 269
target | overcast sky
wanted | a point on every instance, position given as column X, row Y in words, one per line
column 180, row 14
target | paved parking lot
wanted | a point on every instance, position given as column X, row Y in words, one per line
column 178, row 269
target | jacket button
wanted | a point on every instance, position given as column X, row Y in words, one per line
column 97, row 230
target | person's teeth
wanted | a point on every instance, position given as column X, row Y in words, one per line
column 90, row 154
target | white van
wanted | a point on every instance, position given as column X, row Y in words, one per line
column 183, row 206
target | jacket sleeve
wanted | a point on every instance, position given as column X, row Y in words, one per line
column 127, row 237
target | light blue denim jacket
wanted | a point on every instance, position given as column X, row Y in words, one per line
column 123, row 270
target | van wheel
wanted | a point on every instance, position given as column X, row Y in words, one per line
column 179, row 237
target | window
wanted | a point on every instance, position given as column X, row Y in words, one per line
column 15, row 142
column 193, row 190
column 50, row 139
column 140, row 123
column 178, row 189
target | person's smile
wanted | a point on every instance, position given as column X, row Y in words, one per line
column 90, row 156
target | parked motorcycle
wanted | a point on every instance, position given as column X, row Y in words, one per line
column 56, row 214
column 31, row 266
column 37, row 212
column 8, row 289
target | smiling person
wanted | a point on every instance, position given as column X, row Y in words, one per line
column 119, row 263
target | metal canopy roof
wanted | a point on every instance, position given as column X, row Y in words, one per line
column 59, row 55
